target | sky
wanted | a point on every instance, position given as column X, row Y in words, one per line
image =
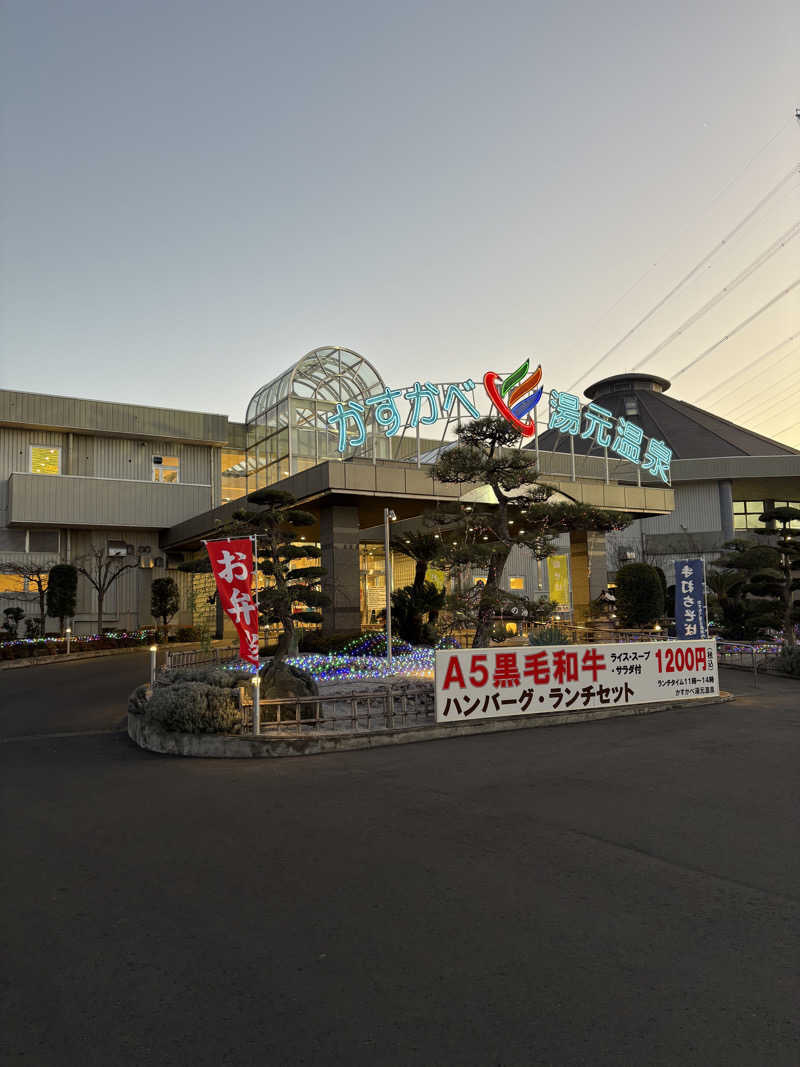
column 194, row 194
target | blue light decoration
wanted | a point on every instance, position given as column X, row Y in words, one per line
column 426, row 408
column 514, row 399
column 567, row 415
column 691, row 612
column 386, row 413
column 353, row 412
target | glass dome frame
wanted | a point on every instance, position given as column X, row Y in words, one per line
column 287, row 419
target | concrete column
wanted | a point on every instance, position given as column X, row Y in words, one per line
column 339, row 537
column 598, row 563
column 726, row 509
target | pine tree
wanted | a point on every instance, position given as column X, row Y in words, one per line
column 746, row 582
column 482, row 535
column 787, row 543
column 291, row 593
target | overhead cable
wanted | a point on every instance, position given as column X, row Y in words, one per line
column 769, row 401
column 736, row 329
column 693, row 272
column 758, row 359
column 726, row 290
column 755, row 404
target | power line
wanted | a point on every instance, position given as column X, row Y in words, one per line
column 736, row 329
column 758, row 359
column 726, row 290
column 781, row 400
column 685, row 227
column 695, row 270
column 768, row 393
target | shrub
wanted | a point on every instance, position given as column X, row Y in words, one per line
column 194, row 708
column 500, row 633
column 187, row 633
column 788, row 660
column 316, row 641
column 137, row 701
column 218, row 677
column 448, row 642
column 374, row 644
column 640, row 595
column 549, row 635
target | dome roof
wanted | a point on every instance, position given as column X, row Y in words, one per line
column 330, row 374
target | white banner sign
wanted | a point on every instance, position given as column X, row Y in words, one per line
column 492, row 682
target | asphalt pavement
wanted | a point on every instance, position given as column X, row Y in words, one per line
column 621, row 892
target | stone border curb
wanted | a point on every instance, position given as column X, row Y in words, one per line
column 233, row 746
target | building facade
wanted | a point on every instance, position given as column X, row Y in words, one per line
column 148, row 484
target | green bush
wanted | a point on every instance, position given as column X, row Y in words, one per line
column 549, row 635
column 788, row 660
column 194, row 708
column 219, row 677
column 640, row 595
column 137, row 701
column 188, row 633
column 316, row 641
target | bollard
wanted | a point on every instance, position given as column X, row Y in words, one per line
column 153, row 653
column 69, row 638
column 256, row 708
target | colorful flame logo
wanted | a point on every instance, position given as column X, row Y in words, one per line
column 516, row 404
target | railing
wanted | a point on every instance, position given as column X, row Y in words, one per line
column 601, row 633
column 196, row 656
column 746, row 657
column 383, row 709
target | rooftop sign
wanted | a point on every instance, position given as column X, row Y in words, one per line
column 514, row 398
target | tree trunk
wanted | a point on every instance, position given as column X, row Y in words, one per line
column 484, row 628
column 420, row 573
column 788, row 629
column 288, row 641
column 100, row 598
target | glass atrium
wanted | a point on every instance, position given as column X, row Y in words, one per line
column 287, row 419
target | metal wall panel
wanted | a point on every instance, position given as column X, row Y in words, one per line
column 696, row 509
column 64, row 500
column 117, row 420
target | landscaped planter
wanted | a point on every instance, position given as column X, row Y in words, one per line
column 150, row 736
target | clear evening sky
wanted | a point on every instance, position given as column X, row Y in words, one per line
column 194, row 194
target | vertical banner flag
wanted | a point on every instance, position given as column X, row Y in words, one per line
column 558, row 581
column 232, row 565
column 691, row 612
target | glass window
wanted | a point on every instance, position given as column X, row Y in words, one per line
column 45, row 459
column 166, row 469
column 234, row 475
column 43, row 541
column 746, row 514
column 12, row 540
column 12, row 583
column 517, row 584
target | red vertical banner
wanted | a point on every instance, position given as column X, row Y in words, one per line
column 232, row 566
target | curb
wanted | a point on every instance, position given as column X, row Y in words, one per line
column 232, row 746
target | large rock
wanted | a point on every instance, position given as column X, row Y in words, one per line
column 280, row 679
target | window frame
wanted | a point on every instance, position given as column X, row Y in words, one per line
column 157, row 468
